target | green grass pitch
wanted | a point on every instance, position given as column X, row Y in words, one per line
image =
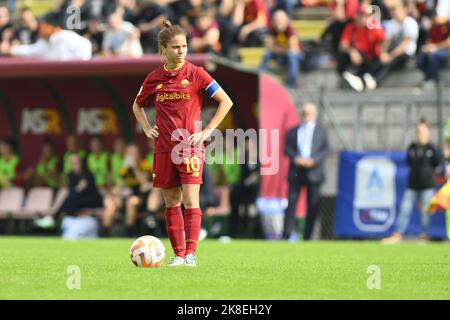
column 37, row 268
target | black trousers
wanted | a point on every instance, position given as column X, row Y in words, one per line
column 344, row 63
column 380, row 71
column 75, row 202
column 312, row 208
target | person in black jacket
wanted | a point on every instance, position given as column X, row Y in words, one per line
column 83, row 194
column 307, row 148
column 423, row 161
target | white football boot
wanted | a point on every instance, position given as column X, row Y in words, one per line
column 190, row 260
column 175, row 261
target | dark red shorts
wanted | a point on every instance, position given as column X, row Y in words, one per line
column 167, row 174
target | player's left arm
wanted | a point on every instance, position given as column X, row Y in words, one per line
column 223, row 108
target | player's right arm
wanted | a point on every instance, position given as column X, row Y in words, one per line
column 138, row 110
column 139, row 113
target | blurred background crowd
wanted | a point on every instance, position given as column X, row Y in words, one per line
column 364, row 39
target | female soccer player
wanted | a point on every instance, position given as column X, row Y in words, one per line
column 177, row 89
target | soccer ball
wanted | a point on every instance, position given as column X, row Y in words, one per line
column 147, row 252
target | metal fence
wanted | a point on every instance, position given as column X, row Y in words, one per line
column 380, row 120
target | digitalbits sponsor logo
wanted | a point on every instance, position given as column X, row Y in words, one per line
column 172, row 96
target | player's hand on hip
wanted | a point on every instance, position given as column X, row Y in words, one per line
column 151, row 133
column 199, row 137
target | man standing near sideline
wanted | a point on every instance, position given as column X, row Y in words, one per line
column 307, row 147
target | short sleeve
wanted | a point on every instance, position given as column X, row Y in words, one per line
column 380, row 34
column 206, row 83
column 345, row 38
column 411, row 29
column 144, row 93
column 389, row 29
column 443, row 8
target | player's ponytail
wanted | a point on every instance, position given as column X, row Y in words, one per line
column 166, row 24
column 168, row 31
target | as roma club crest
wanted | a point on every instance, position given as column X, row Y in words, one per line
column 185, row 83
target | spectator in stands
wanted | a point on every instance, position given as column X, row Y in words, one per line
column 72, row 147
column 400, row 44
column 83, row 194
column 55, row 43
column 251, row 17
column 94, row 33
column 283, row 45
column 360, row 49
column 190, row 12
column 121, row 38
column 28, row 30
column 419, row 10
column 307, row 148
column 228, row 31
column 97, row 162
column 9, row 162
column 136, row 175
column 117, row 158
column 113, row 199
column 423, row 160
column 155, row 200
column 6, row 30
column 205, row 34
column 149, row 20
column 285, row 5
column 97, row 8
column 46, row 172
column 342, row 12
column 150, row 153
column 443, row 11
column 244, row 193
column 125, row 7
column 436, row 52
column 208, row 197
column 224, row 164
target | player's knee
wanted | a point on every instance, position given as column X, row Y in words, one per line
column 191, row 202
column 133, row 201
column 172, row 199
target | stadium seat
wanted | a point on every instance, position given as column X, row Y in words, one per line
column 251, row 56
column 38, row 201
column 39, row 7
column 10, row 201
column 309, row 29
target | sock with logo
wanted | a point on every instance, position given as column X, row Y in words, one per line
column 192, row 225
column 175, row 229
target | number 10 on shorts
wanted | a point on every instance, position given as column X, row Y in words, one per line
column 193, row 165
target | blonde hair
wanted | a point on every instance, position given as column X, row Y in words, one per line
column 167, row 32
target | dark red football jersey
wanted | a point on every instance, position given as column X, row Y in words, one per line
column 177, row 96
